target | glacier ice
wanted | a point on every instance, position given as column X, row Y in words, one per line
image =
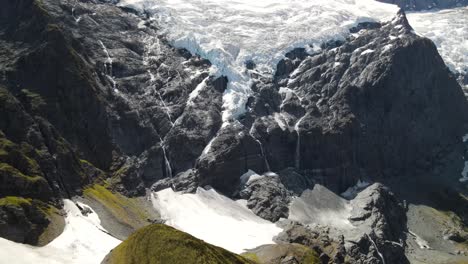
column 230, row 33
column 448, row 29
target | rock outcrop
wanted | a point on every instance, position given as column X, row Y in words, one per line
column 376, row 234
column 380, row 104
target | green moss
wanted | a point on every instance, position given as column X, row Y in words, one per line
column 35, row 101
column 251, row 256
column 161, row 244
column 127, row 210
column 19, row 156
column 121, row 171
column 14, row 200
column 13, row 172
column 5, row 146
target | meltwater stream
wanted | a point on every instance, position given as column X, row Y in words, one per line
column 230, row 33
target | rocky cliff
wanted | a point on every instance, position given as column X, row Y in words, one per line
column 91, row 92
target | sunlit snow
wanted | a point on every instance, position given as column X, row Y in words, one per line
column 83, row 241
column 229, row 33
column 215, row 218
column 448, row 29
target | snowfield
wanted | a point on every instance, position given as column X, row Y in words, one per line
column 215, row 218
column 229, row 33
column 448, row 29
column 83, row 241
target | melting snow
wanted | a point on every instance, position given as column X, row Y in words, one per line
column 215, row 218
column 229, row 33
column 448, row 29
column 367, row 51
column 321, row 206
column 83, row 241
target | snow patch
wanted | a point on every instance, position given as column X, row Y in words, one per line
column 215, row 218
column 323, row 207
column 367, row 51
column 196, row 91
column 423, row 244
column 83, row 241
column 387, row 48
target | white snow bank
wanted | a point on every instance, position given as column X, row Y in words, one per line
column 83, row 241
column 423, row 244
column 229, row 33
column 214, row 218
column 321, row 206
column 448, row 29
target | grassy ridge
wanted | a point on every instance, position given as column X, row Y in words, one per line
column 161, row 244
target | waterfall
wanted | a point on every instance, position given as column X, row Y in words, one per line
column 108, row 66
column 376, row 249
column 166, row 161
column 77, row 19
column 298, row 144
column 153, row 44
column 167, row 165
column 166, row 108
column 265, row 160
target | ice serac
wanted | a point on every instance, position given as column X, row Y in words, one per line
column 264, row 32
column 448, row 30
column 381, row 103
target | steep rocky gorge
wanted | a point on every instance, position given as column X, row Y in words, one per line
column 92, row 93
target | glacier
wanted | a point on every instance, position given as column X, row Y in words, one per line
column 448, row 29
column 231, row 33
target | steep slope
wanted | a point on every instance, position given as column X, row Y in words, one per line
column 94, row 93
column 166, row 245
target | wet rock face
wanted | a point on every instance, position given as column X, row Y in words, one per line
column 371, row 106
column 426, row 4
column 95, row 91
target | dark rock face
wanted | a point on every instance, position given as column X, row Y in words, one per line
column 343, row 114
column 267, row 197
column 22, row 222
column 378, row 210
column 80, row 103
column 426, row 4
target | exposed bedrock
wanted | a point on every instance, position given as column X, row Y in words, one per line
column 92, row 92
column 375, row 234
column 380, row 104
